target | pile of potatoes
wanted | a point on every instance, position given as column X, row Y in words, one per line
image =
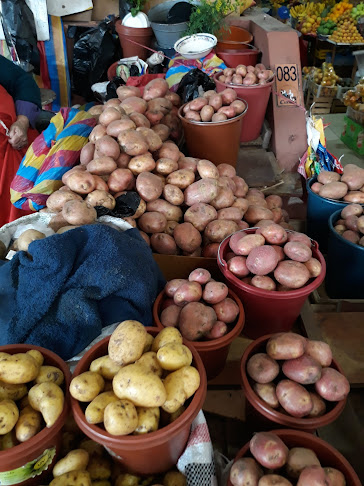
column 214, row 107
column 127, row 389
column 199, row 306
column 31, row 396
column 246, row 75
column 351, row 224
column 290, row 365
column 348, row 187
column 272, row 258
column 273, row 464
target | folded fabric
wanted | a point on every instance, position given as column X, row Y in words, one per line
column 70, row 286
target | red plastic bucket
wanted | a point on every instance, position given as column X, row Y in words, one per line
column 35, row 458
column 257, row 98
column 234, row 57
column 214, row 352
column 327, row 455
column 268, row 311
column 234, row 38
column 268, row 417
column 142, row 36
column 151, row 453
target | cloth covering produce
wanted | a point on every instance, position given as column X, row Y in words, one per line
column 70, row 286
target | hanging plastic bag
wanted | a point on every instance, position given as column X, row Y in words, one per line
column 193, row 83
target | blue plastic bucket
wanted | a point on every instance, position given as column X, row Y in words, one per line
column 345, row 265
column 319, row 209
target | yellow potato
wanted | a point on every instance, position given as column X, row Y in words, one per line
column 86, row 386
column 173, row 356
column 127, row 342
column 148, row 420
column 18, row 368
column 28, row 424
column 48, row 399
column 174, row 478
column 12, row 392
column 127, row 480
column 92, row 447
column 8, row 441
column 76, row 460
column 50, row 374
column 149, row 361
column 73, row 478
column 9, row 415
column 37, row 355
column 166, row 336
column 120, row 418
column 148, row 343
column 28, row 237
column 180, row 385
column 105, row 366
column 135, row 383
column 94, row 412
column 99, row 468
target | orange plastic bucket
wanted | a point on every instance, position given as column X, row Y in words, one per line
column 234, row 38
column 142, row 36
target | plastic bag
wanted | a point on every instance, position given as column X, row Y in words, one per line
column 126, row 205
column 93, row 53
column 192, row 83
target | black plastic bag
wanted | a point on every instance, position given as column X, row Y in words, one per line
column 188, row 88
column 126, row 205
column 93, row 53
column 112, row 87
column 124, row 8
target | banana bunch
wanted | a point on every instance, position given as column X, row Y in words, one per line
column 309, row 9
column 298, row 12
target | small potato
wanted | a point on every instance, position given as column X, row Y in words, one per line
column 199, row 275
column 325, row 176
column 169, row 150
column 334, row 476
column 103, row 165
column 12, row 392
column 19, row 368
column 262, row 260
column 9, row 415
column 109, row 115
column 218, row 330
column 79, row 213
column 173, row 285
column 105, row 367
column 189, row 163
column 274, row 480
column 166, row 336
column 120, row 180
column 239, row 106
column 319, row 406
column 237, row 266
column 241, row 187
column 180, row 385
column 316, row 187
column 28, row 237
column 263, row 282
column 8, row 441
column 173, row 356
column 120, row 417
column 304, row 370
column 166, row 166
column 48, row 399
column 227, row 310
column 207, row 112
column 86, row 386
column 215, row 101
column 187, row 292
column 297, row 251
column 267, row 393
column 198, row 103
column 231, row 214
column 127, row 342
column 163, row 243
column 141, row 163
column 75, row 460
column 245, row 471
column 228, row 111
column 181, row 178
column 299, row 237
column 101, row 198
column 207, row 169
column 314, row 267
column 170, row 316
column 37, row 355
column 187, row 237
column 313, row 476
column 269, row 450
column 215, row 292
column 196, row 320
column 351, row 236
column 262, row 368
column 148, row 420
column 94, row 412
column 218, row 117
column 224, row 199
column 291, row 274
column 298, row 459
column 170, row 211
column 273, row 234
column 149, row 186
column 319, row 351
column 286, row 345
column 124, row 92
column 199, row 215
column 99, row 131
column 332, row 386
column 73, row 478
column 294, row 398
column 217, row 231
column 226, row 170
column 173, row 194
column 242, row 244
column 149, row 361
column 50, row 374
column 203, row 191
column 352, row 210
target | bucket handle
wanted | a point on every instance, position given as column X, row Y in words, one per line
column 222, row 262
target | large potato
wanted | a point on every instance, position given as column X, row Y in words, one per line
column 173, row 194
column 300, row 237
column 269, row 450
column 286, row 345
column 79, row 213
column 187, row 237
column 173, row 356
column 157, row 88
column 294, row 398
column 298, row 459
column 334, row 190
column 215, row 292
column 170, row 211
column 313, row 476
column 354, row 197
column 100, row 198
column 75, row 460
column 9, row 415
column 332, row 386
column 291, row 274
column 107, row 146
column 109, row 115
column 27, row 237
column 231, row 214
column 132, row 142
column 153, row 139
column 319, row 351
column 141, row 163
column 224, row 199
column 353, row 176
column 256, row 213
column 101, row 166
column 134, row 104
column 181, row 178
column 86, row 386
column 352, row 210
column 18, row 368
column 273, row 233
column 200, row 214
column 297, row 251
column 187, row 292
column 120, row 417
column 267, row 393
column 56, row 200
column 148, row 420
column 304, row 370
column 48, row 399
column 207, row 169
column 163, row 243
column 218, row 230
column 127, row 342
column 149, row 186
column 200, row 275
column 12, row 392
column 94, row 412
column 245, row 472
column 262, row 260
column 203, row 191
column 120, row 180
column 170, row 316
column 227, row 310
column 242, row 244
column 262, row 368
column 180, row 385
column 196, row 320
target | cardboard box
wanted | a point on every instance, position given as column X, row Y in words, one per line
column 174, row 266
column 103, row 8
column 85, row 16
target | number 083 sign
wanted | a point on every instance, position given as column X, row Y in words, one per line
column 287, row 85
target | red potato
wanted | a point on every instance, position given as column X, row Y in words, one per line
column 141, row 163
column 181, row 178
column 169, row 229
column 100, row 198
column 269, row 450
column 219, row 329
column 96, row 110
column 293, row 275
column 297, row 251
column 109, row 115
column 355, row 197
column 200, row 275
column 81, row 182
column 334, row 190
column 313, row 476
column 217, row 231
column 243, row 244
column 87, row 153
column 97, row 132
column 351, row 222
column 103, row 165
column 196, row 320
column 224, row 199
column 239, row 106
column 274, row 480
column 241, row 187
column 245, row 472
column 304, row 370
column 262, row 260
column 332, row 386
column 255, row 200
column 145, row 237
column 100, row 183
column 334, row 476
column 280, row 252
column 219, row 117
column 227, row 310
column 241, row 203
column 157, row 88
column 207, row 113
column 360, row 224
column 197, row 104
column 200, row 215
column 228, row 111
column 76, row 168
column 120, row 180
column 262, row 368
column 187, row 292
column 166, row 166
column 149, row 186
column 139, row 120
column 226, row 170
column 325, row 176
column 154, row 117
column 124, row 92
column 210, row 250
column 160, row 104
column 187, row 237
column 189, row 163
column 274, row 201
column 123, row 160
column 132, row 142
column 203, row 191
column 273, row 234
column 209, row 93
column 170, row 316
column 228, row 95
column 57, row 199
column 267, row 393
column 174, row 98
column 207, row 169
column 298, row 459
column 125, row 123
column 257, row 213
column 286, row 345
column 294, row 398
column 352, row 209
column 314, row 267
column 263, row 282
column 215, row 292
column 231, row 214
column 171, row 286
column 215, row 101
column 353, row 176
column 173, row 194
column 163, row 244
column 319, row 406
column 256, row 193
column 351, row 236
column 153, row 139
column 171, row 212
column 78, row 212
column 152, row 222
column 300, row 237
column 107, row 146
column 319, row 351
column 316, row 187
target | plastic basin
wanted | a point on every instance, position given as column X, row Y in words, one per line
column 42, row 450
column 319, row 209
column 327, row 455
column 234, row 38
column 271, row 418
column 268, row 311
column 214, row 352
column 151, row 453
column 345, row 264
column 218, row 142
column 257, row 98
column 142, row 36
column 234, row 57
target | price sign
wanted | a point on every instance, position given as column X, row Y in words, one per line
column 287, row 85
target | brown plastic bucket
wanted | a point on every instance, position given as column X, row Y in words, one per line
column 218, row 142
column 327, row 455
column 214, row 352
column 142, row 36
column 151, row 453
column 31, row 462
column 268, row 417
column 257, row 97
column 234, row 38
